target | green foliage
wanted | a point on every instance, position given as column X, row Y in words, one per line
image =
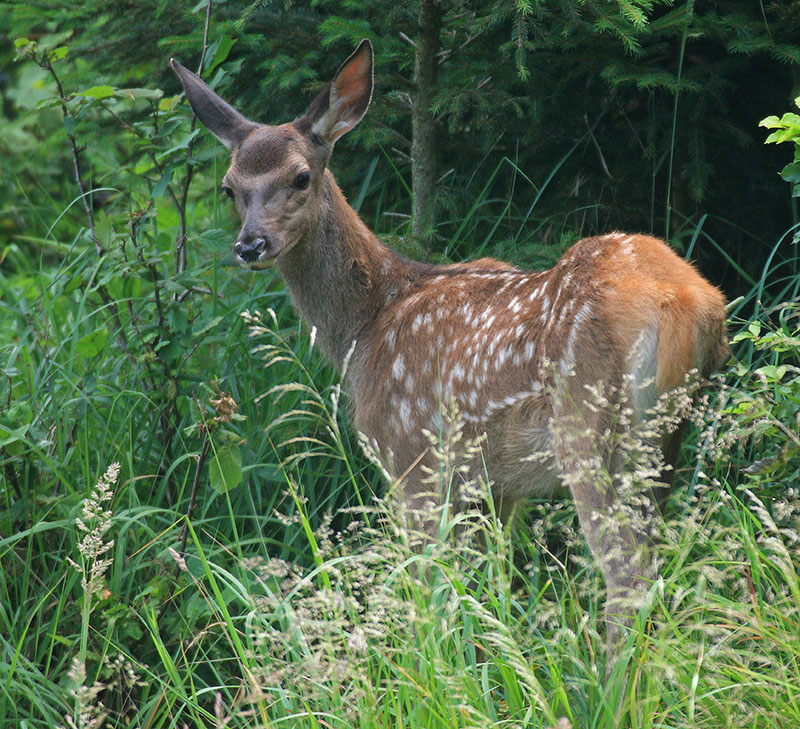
column 223, row 553
column 117, row 318
column 788, row 130
column 767, row 409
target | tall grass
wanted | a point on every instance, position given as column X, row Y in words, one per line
column 299, row 597
column 284, row 611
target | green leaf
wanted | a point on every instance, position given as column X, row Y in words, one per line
column 161, row 185
column 225, row 468
column 773, row 373
column 139, row 93
column 93, row 343
column 791, row 173
column 97, row 92
column 181, row 145
column 217, row 52
column 19, row 42
column 20, row 412
column 10, row 436
column 59, row 53
column 145, row 164
column 217, row 239
column 210, row 325
column 167, row 103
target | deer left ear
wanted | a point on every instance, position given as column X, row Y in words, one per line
column 342, row 104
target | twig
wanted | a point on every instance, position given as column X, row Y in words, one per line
column 196, row 290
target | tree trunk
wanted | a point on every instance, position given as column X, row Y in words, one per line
column 423, row 124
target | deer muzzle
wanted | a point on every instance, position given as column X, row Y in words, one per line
column 256, row 252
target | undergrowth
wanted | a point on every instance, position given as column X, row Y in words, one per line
column 355, row 625
column 240, row 567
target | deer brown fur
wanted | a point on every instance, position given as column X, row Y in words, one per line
column 515, row 350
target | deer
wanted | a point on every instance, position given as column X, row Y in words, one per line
column 519, row 352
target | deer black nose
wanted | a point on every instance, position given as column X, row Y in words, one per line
column 249, row 249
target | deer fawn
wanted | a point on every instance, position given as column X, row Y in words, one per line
column 517, row 351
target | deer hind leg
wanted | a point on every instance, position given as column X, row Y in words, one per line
column 592, row 440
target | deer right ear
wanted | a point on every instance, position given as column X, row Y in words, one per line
column 344, row 101
column 219, row 117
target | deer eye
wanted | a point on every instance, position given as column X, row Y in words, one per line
column 227, row 190
column 302, row 180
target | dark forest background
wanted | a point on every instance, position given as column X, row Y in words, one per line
column 547, row 120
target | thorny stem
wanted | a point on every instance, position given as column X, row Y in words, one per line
column 45, row 62
column 76, row 164
column 180, row 250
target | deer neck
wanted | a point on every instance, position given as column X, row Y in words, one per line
column 340, row 276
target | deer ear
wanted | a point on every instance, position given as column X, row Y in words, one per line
column 344, row 101
column 219, row 117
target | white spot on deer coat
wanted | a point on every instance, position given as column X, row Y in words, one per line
column 457, row 373
column 530, row 349
column 399, row 367
column 642, row 366
column 569, row 357
column 405, row 413
column 545, row 309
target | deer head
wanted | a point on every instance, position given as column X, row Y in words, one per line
column 277, row 172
